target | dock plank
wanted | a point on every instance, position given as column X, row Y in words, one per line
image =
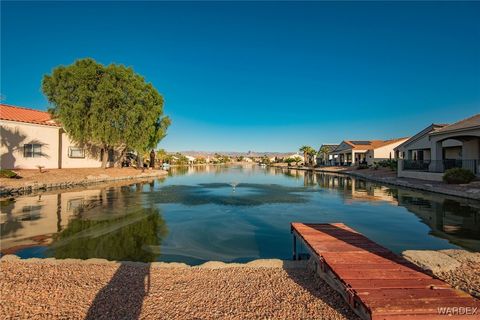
column 377, row 283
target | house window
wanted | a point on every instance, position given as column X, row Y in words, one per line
column 74, row 152
column 32, row 150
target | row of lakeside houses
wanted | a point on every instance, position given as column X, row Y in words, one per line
column 426, row 155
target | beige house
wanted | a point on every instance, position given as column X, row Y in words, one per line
column 440, row 147
column 418, row 146
column 354, row 152
column 30, row 138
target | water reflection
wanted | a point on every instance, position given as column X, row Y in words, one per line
column 134, row 236
column 451, row 218
column 114, row 223
column 196, row 169
column 208, row 220
column 244, row 194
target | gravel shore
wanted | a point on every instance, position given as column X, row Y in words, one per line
column 459, row 268
column 73, row 289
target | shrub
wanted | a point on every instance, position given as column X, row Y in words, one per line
column 4, row 173
column 458, row 175
column 389, row 163
column 362, row 166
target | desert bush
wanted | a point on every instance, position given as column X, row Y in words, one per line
column 458, row 175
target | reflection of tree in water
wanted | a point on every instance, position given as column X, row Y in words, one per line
column 178, row 171
column 134, row 237
column 291, row 174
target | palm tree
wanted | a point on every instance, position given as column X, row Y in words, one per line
column 311, row 155
column 324, row 150
column 161, row 156
column 307, row 153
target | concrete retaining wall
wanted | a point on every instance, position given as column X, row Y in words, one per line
column 431, row 176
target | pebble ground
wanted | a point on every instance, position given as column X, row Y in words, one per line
column 46, row 290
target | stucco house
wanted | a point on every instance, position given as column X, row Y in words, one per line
column 190, row 159
column 440, row 147
column 30, row 138
column 354, row 152
column 418, row 146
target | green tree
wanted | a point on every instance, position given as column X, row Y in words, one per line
column 308, row 153
column 289, row 161
column 181, row 159
column 200, row 160
column 161, row 156
column 297, row 159
column 265, row 159
column 106, row 107
column 324, row 150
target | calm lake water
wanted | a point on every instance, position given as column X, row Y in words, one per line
column 229, row 214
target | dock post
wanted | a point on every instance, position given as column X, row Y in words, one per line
column 294, row 247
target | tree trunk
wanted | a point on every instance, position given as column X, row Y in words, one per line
column 139, row 161
column 121, row 158
column 152, row 159
column 104, row 157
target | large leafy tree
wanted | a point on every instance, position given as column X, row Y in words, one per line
column 109, row 107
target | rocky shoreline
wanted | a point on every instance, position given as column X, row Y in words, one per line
column 88, row 180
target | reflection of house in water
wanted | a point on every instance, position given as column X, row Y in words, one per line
column 455, row 220
column 354, row 189
column 30, row 221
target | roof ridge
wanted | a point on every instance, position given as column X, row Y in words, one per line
column 459, row 121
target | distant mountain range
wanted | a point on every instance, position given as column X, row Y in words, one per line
column 194, row 153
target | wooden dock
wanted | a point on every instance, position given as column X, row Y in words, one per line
column 376, row 283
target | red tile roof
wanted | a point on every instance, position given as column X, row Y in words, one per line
column 21, row 114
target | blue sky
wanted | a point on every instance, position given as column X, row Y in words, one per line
column 264, row 76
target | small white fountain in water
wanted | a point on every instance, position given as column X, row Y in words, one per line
column 234, row 185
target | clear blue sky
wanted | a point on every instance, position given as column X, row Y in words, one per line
column 264, row 76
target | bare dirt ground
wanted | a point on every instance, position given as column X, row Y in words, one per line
column 80, row 290
column 52, row 176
